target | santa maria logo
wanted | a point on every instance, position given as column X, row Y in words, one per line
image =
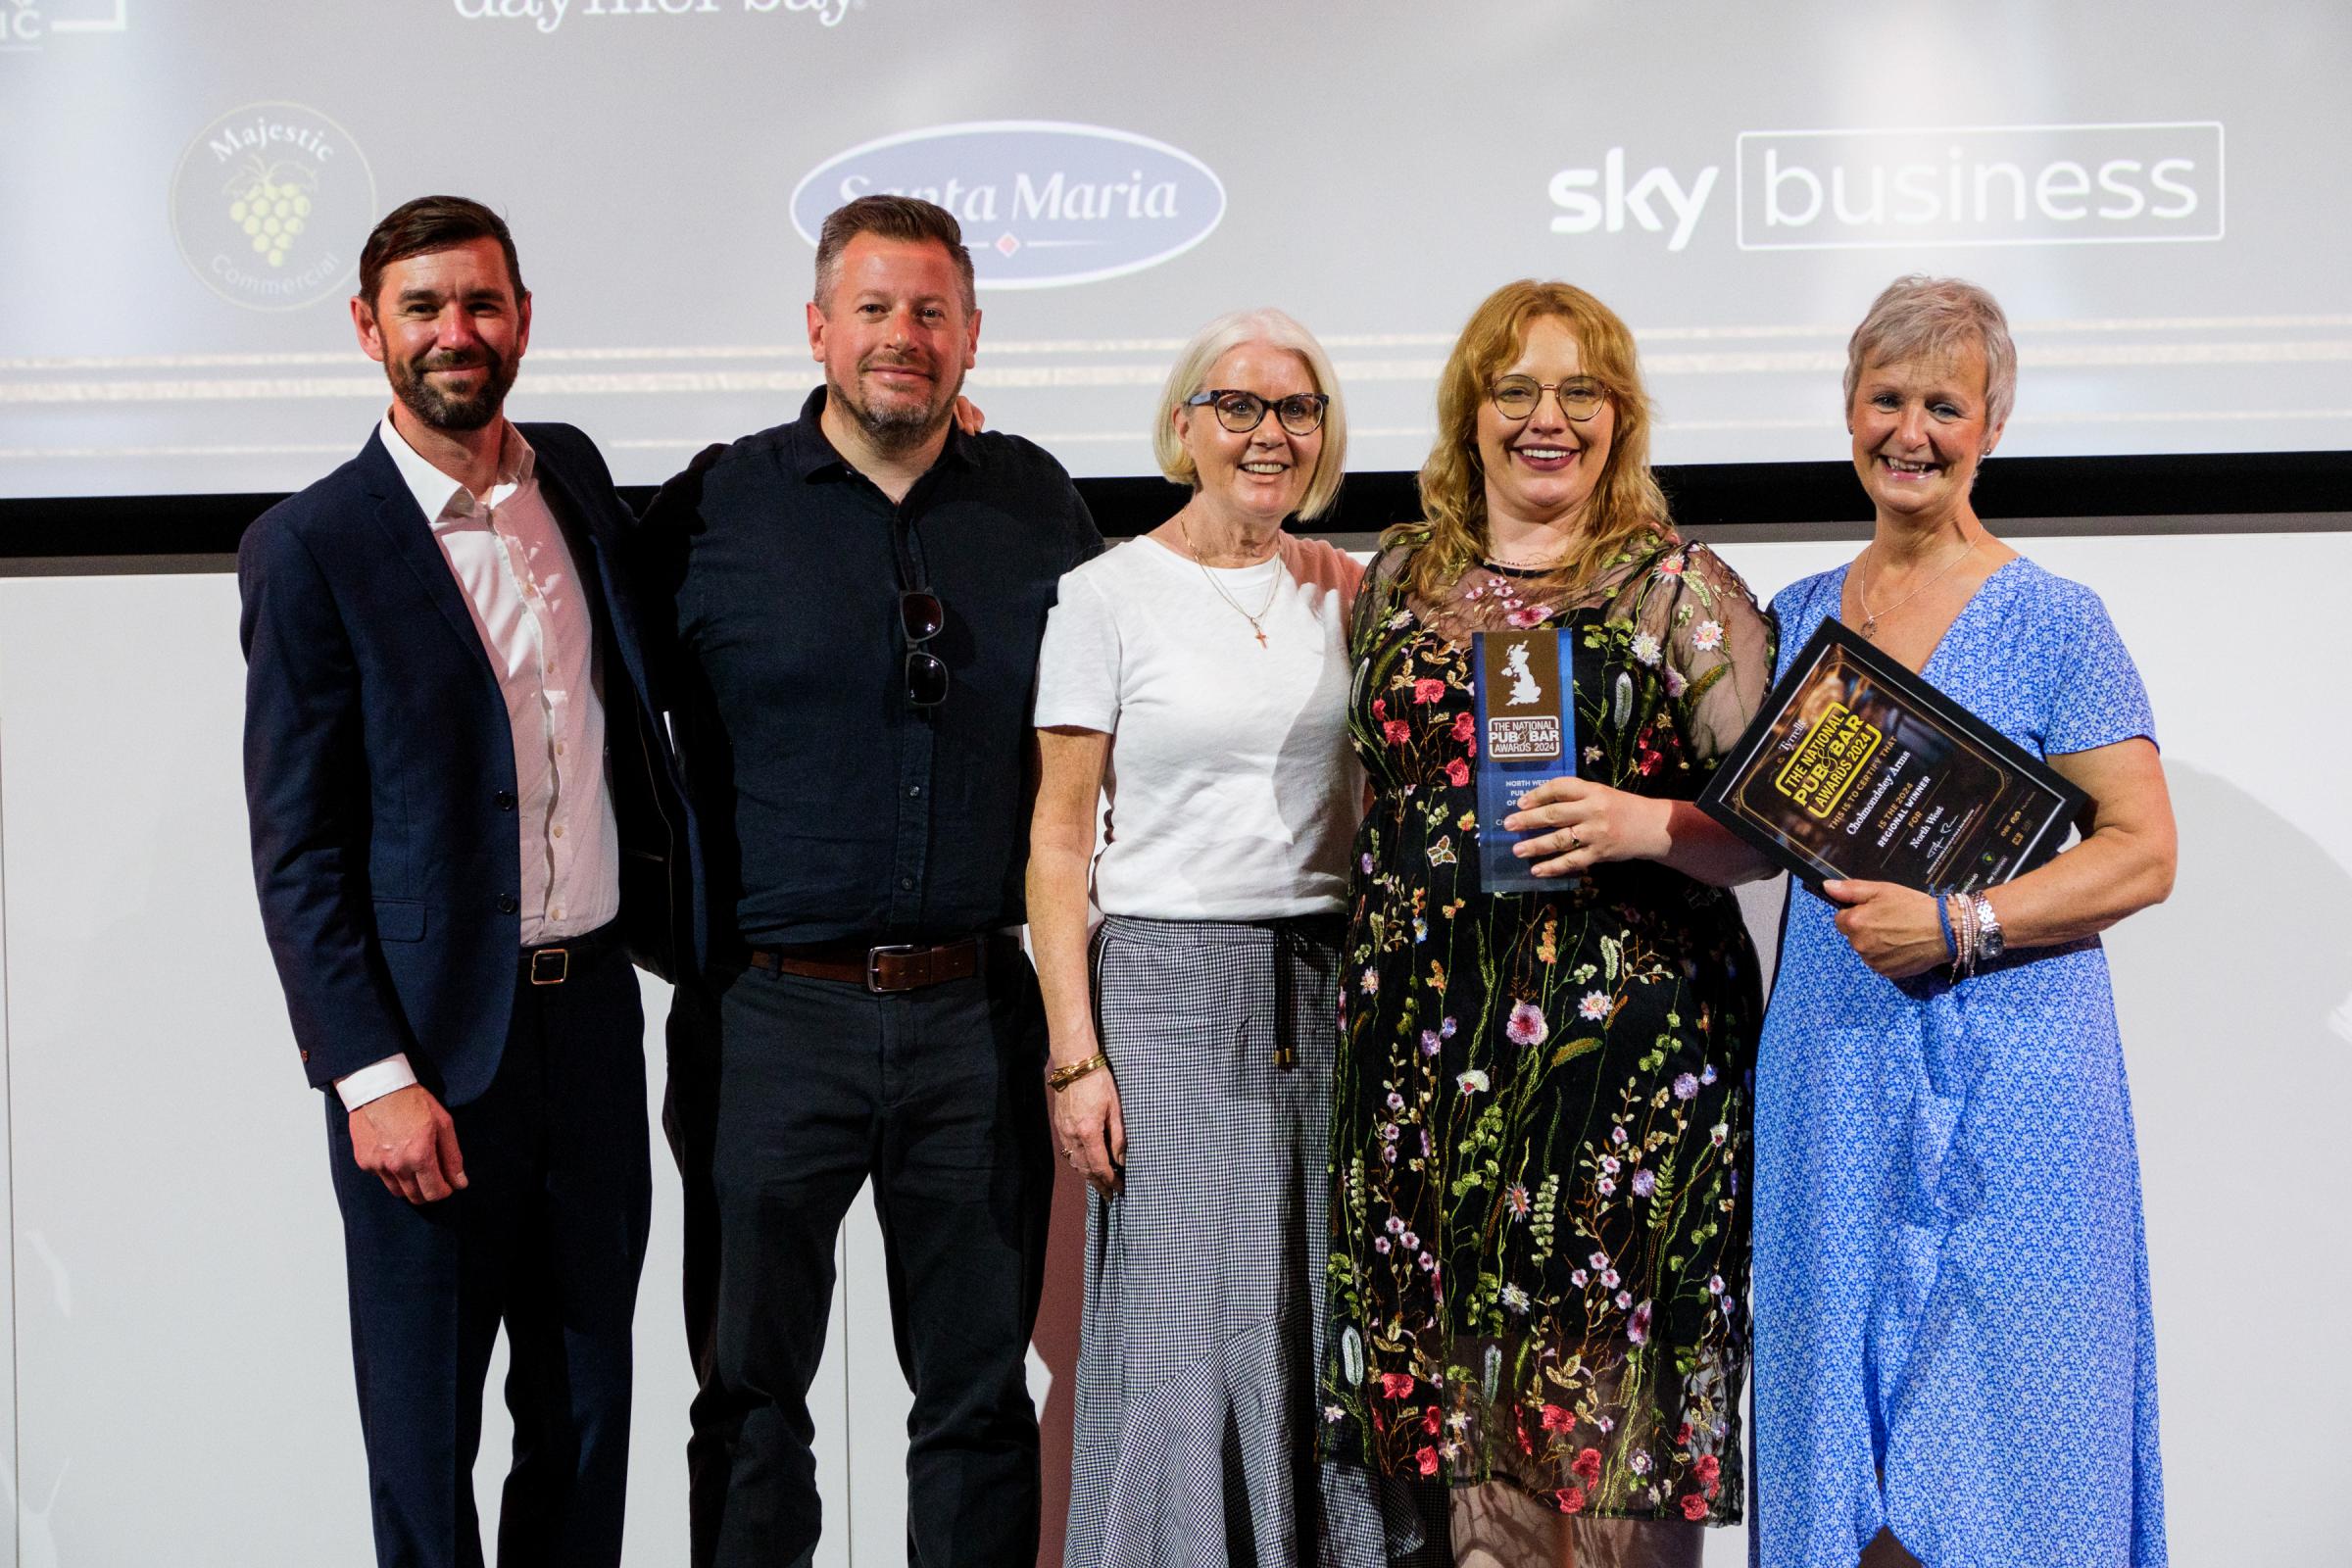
column 269, row 203
column 1042, row 204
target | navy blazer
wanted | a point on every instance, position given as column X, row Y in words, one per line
column 379, row 771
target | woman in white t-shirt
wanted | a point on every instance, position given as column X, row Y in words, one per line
column 1192, row 707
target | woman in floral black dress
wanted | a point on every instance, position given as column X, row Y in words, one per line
column 1539, row 1220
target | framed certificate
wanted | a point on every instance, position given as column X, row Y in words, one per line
column 1857, row 768
column 1525, row 734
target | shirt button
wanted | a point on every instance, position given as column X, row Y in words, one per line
column 557, row 830
column 508, row 904
column 906, row 884
column 915, row 791
column 505, row 800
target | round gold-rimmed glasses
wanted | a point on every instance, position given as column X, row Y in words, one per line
column 1515, row 396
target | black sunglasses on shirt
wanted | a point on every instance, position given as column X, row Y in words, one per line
column 920, row 616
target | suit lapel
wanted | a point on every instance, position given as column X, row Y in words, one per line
column 411, row 536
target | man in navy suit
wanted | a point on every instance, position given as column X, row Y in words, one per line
column 464, row 823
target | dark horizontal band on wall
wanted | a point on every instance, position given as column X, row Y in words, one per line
column 1715, row 497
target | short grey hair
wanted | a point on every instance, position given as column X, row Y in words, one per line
column 1220, row 337
column 1917, row 314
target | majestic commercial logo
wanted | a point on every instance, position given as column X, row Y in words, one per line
column 268, row 204
column 1887, row 189
column 1043, row 205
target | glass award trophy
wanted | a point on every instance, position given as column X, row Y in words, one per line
column 1525, row 734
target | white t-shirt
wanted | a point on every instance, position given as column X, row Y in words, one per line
column 1230, row 793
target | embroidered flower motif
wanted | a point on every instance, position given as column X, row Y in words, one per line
column 1707, row 636
column 1430, row 1044
column 1570, row 1498
column 1472, row 1082
column 1397, row 731
column 1586, row 1466
column 1370, row 981
column 1644, row 1183
column 1427, row 1460
column 1526, row 1026
column 1514, row 1197
column 1684, row 1086
column 1598, row 1260
column 1528, row 615
column 1457, row 773
column 1514, row 1299
column 1428, row 690
column 1636, row 1327
column 1640, row 1463
column 1694, row 1506
column 1465, row 727
column 1594, row 1006
column 1676, row 682
column 1646, row 648
column 1395, row 1385
column 1558, row 1419
column 1706, row 1075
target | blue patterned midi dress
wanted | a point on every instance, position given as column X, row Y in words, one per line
column 1951, row 1311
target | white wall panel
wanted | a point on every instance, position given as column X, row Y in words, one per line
column 182, row 1384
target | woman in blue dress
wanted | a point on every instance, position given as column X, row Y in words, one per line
column 1955, row 1359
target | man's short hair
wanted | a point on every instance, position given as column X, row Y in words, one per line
column 432, row 223
column 908, row 218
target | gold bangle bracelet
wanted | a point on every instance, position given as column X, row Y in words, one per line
column 1062, row 1078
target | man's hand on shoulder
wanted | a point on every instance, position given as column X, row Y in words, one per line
column 408, row 1141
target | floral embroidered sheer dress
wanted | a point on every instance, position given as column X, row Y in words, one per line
column 1540, row 1208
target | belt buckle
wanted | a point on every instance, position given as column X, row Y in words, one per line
column 547, row 973
column 873, row 966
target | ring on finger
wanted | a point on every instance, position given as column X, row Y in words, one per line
column 1576, row 840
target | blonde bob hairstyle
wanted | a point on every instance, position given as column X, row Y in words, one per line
column 1626, row 501
column 1190, row 374
column 1916, row 316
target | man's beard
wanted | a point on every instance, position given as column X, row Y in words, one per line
column 899, row 425
column 439, row 410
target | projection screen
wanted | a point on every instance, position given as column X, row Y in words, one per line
column 2151, row 189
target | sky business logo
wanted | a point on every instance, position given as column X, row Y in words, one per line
column 1043, row 203
column 1980, row 185
column 2118, row 185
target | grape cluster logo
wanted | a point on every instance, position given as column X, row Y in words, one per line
column 269, row 204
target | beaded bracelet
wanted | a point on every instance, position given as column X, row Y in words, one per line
column 1944, row 924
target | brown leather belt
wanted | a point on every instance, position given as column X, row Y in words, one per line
column 891, row 967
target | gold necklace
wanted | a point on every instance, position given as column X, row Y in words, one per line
column 1871, row 618
column 1272, row 587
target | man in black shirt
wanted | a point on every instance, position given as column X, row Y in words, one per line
column 856, row 600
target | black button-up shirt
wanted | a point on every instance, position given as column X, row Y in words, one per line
column 831, row 805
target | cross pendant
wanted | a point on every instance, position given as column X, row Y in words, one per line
column 1261, row 636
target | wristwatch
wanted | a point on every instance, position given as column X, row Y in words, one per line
column 1989, row 942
